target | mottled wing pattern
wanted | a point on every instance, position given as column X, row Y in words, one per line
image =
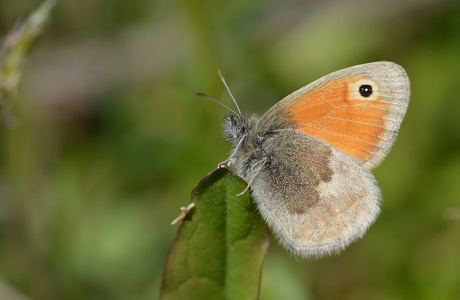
column 316, row 199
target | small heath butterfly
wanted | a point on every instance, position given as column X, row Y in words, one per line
column 307, row 160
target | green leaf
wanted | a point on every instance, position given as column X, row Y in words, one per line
column 221, row 244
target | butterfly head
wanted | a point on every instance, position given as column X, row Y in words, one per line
column 234, row 127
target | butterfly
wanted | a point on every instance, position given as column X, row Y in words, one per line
column 307, row 160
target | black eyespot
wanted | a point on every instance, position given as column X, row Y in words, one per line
column 365, row 90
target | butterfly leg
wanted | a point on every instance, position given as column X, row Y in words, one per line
column 262, row 162
column 234, row 151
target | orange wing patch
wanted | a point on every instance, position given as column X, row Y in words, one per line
column 338, row 114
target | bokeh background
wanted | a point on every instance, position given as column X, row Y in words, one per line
column 111, row 140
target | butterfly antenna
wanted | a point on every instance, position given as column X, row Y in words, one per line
column 228, row 89
column 218, row 102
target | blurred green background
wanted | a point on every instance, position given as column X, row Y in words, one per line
column 111, row 140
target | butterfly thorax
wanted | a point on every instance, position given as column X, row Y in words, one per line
column 247, row 143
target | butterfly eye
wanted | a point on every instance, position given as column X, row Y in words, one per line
column 239, row 128
column 365, row 90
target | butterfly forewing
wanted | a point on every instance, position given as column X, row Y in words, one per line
column 357, row 110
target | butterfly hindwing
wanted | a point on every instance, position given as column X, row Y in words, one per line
column 316, row 198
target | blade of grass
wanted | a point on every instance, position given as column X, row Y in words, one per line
column 14, row 51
